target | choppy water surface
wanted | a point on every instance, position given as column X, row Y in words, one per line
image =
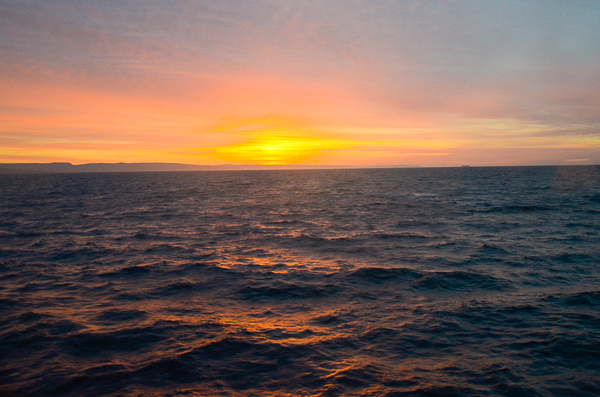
column 397, row 282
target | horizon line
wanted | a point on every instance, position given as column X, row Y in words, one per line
column 67, row 167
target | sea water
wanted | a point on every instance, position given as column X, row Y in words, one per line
column 376, row 282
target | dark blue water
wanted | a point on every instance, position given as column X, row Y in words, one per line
column 397, row 282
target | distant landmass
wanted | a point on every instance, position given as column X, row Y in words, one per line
column 10, row 168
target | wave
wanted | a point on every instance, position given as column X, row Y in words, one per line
column 168, row 249
column 382, row 275
column 516, row 209
column 288, row 290
column 90, row 344
column 177, row 287
column 130, row 271
column 461, row 281
column 589, row 299
column 401, row 236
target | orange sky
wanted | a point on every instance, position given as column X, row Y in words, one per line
column 353, row 83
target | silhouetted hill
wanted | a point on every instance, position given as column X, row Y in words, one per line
column 97, row 167
column 144, row 167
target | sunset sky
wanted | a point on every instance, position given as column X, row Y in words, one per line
column 429, row 83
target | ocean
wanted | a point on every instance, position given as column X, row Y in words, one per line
column 371, row 282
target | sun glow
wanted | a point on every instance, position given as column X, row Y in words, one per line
column 283, row 142
column 277, row 148
column 270, row 142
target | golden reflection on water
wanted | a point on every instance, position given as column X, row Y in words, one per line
column 236, row 305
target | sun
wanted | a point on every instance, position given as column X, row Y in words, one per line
column 272, row 141
column 273, row 147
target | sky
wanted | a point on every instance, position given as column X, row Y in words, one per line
column 353, row 82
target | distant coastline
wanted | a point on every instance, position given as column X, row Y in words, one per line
column 22, row 168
